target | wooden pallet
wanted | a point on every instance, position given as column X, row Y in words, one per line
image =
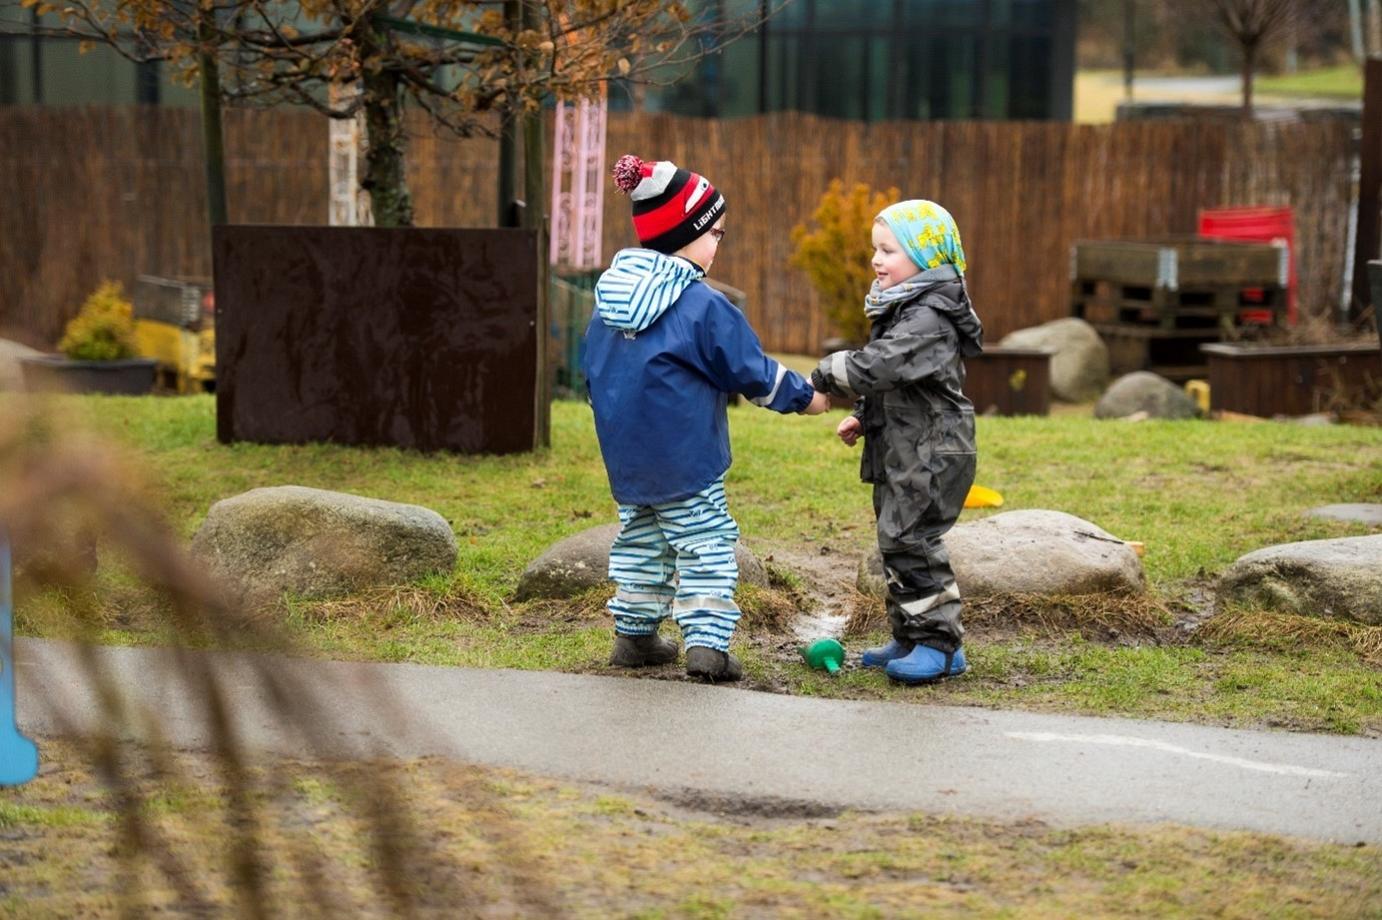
column 1178, row 283
column 1221, row 307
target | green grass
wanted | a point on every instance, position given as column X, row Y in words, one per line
column 1308, row 688
column 1342, row 82
column 1198, row 494
column 15, row 815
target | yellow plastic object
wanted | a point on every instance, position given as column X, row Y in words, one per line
column 979, row 497
column 1198, row 390
column 186, row 359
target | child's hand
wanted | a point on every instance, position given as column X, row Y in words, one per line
column 850, row 430
column 820, row 402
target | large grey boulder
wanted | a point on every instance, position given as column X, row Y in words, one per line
column 581, row 562
column 1145, row 392
column 1079, row 360
column 1328, row 578
column 11, row 376
column 315, row 543
column 1030, row 552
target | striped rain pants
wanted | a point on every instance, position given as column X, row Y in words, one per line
column 677, row 557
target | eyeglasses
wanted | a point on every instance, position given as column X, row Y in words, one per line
column 718, row 233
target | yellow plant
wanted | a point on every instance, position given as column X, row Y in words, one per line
column 104, row 329
column 835, row 252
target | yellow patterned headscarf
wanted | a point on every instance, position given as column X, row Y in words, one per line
column 927, row 233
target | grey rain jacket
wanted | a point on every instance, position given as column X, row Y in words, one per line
column 909, row 379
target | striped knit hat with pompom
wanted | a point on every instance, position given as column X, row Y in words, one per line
column 671, row 206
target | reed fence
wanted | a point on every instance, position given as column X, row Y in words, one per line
column 118, row 192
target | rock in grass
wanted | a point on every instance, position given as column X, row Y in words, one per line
column 1079, row 360
column 1143, row 391
column 1339, row 578
column 315, row 543
column 1030, row 552
column 581, row 562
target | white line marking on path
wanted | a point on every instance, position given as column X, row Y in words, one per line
column 1128, row 741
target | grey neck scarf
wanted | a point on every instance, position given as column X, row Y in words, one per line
column 879, row 302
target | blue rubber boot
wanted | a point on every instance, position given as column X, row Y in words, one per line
column 879, row 656
column 926, row 665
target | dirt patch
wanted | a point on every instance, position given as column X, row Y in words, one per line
column 822, row 577
column 724, row 805
column 544, row 615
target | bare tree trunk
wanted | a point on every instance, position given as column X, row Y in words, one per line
column 1374, row 27
column 1249, row 68
column 385, row 175
column 213, row 148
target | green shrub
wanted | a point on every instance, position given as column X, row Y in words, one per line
column 104, row 329
column 835, row 252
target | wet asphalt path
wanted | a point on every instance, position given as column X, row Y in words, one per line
column 727, row 748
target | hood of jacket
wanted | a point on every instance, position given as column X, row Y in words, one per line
column 639, row 286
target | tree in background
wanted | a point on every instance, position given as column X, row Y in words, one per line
column 1171, row 36
column 837, row 250
column 1255, row 24
column 460, row 61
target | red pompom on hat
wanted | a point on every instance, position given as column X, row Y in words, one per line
column 671, row 206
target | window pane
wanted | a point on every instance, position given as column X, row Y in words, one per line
column 1023, row 14
column 1029, row 76
column 99, row 77
column 784, row 76
column 874, row 15
column 940, row 77
column 881, row 89
column 790, row 16
column 739, row 71
column 693, row 93
column 839, row 77
column 933, row 13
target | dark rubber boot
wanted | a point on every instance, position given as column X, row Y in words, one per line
column 643, row 651
column 712, row 666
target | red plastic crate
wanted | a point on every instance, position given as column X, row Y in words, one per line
column 1257, row 225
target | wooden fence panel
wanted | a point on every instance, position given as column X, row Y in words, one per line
column 117, row 192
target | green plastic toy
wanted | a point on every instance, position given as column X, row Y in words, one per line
column 824, row 654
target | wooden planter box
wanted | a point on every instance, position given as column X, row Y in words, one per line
column 411, row 337
column 57, row 374
column 1010, row 381
column 1288, row 380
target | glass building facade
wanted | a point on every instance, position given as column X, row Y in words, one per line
column 875, row 60
column 867, row 60
column 38, row 69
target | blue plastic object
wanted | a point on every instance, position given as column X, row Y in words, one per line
column 925, row 665
column 879, row 656
column 18, row 755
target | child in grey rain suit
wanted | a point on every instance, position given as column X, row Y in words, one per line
column 918, row 429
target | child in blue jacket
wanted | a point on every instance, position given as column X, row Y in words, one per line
column 663, row 352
